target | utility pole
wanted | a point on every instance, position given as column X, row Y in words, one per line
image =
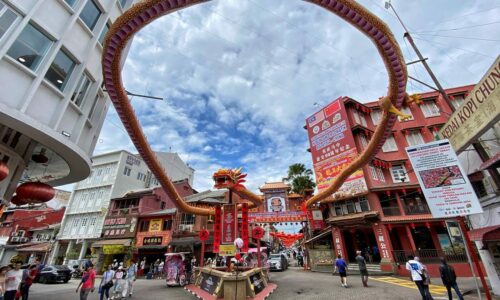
column 477, row 146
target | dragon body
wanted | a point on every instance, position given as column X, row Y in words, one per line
column 144, row 12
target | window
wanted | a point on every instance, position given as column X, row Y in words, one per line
column 399, row 174
column 350, row 207
column 457, row 100
column 92, row 109
column 376, row 115
column 126, row 171
column 7, row 18
column 479, row 188
column 364, row 141
column 414, row 138
column 407, row 111
column 359, row 117
column 390, row 145
column 187, row 219
column 373, row 172
column 144, row 226
column 338, row 209
column 430, row 109
column 60, row 70
column 70, row 2
column 30, row 47
column 380, row 174
column 167, row 225
column 90, row 14
column 103, row 34
column 81, row 90
column 363, row 203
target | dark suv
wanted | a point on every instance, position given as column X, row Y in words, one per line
column 51, row 273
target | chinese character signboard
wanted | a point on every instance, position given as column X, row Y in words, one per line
column 152, row 240
column 445, row 185
column 477, row 113
column 119, row 227
column 161, row 238
column 229, row 224
column 270, row 217
column 227, row 250
column 333, row 149
column 113, row 249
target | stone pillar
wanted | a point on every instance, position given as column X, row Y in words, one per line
column 338, row 242
column 83, row 250
column 54, row 252
column 491, row 271
column 71, row 244
column 410, row 237
column 383, row 238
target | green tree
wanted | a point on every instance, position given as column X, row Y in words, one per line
column 300, row 178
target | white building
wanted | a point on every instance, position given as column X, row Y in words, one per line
column 113, row 175
column 52, row 105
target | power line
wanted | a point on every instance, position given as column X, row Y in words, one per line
column 458, row 48
column 465, row 15
column 457, row 28
column 459, row 37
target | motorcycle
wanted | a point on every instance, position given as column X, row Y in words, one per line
column 77, row 272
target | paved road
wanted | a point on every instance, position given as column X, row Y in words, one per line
column 293, row 284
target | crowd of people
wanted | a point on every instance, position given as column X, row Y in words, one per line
column 15, row 282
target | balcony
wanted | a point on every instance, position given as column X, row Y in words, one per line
column 124, row 211
column 417, row 209
column 391, row 211
column 431, row 256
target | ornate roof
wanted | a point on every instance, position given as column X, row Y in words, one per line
column 275, row 186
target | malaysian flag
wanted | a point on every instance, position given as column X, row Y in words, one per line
column 318, row 117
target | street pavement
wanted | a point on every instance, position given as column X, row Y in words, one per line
column 293, row 284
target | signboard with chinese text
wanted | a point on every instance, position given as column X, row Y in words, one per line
column 333, row 149
column 152, row 240
column 228, row 224
column 155, row 225
column 113, row 249
column 227, row 250
column 164, row 236
column 119, row 227
column 444, row 183
column 270, row 217
column 479, row 111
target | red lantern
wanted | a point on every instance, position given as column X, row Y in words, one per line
column 4, row 170
column 35, row 192
column 17, row 201
column 258, row 233
column 237, row 256
column 203, row 235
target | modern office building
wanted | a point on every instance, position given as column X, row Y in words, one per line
column 113, row 175
column 52, row 104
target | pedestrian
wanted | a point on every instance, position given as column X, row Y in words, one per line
column 13, row 280
column 106, row 282
column 426, row 280
column 119, row 283
column 156, row 265
column 449, row 278
column 3, row 271
column 28, row 275
column 417, row 275
column 115, row 263
column 341, row 267
column 362, row 268
column 87, row 283
column 143, row 267
column 131, row 277
column 160, row 269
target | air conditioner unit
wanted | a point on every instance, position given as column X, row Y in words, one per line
column 14, row 239
column 186, row 227
column 23, row 239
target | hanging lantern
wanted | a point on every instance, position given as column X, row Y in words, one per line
column 258, row 233
column 203, row 235
column 40, row 158
column 17, row 201
column 4, row 170
column 35, row 192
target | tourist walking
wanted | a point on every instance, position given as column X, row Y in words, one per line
column 449, row 278
column 28, row 275
column 155, row 268
column 426, row 280
column 160, row 269
column 341, row 267
column 13, row 279
column 120, row 284
column 106, row 282
column 3, row 271
column 362, row 268
column 131, row 277
column 86, row 285
column 418, row 275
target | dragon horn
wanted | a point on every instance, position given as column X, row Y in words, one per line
column 238, row 170
column 243, row 175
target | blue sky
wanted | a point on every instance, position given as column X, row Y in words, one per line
column 239, row 77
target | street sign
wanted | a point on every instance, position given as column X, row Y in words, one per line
column 444, row 183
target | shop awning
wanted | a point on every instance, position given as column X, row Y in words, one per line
column 356, row 218
column 328, row 231
column 492, row 163
column 123, row 242
column 490, row 233
column 152, row 247
column 42, row 247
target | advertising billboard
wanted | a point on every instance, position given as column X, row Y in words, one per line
column 444, row 183
column 276, row 204
column 333, row 149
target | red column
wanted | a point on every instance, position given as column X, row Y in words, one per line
column 435, row 239
column 400, row 204
column 383, row 238
column 338, row 242
column 410, row 237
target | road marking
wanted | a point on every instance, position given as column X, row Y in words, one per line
column 434, row 289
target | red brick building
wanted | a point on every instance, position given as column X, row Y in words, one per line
column 391, row 219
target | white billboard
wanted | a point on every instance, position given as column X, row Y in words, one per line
column 445, row 185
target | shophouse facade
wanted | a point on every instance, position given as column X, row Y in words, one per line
column 113, row 175
column 391, row 219
column 52, row 104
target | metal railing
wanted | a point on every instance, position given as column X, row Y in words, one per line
column 417, row 210
column 431, row 255
column 391, row 211
column 124, row 211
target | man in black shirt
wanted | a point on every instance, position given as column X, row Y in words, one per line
column 449, row 278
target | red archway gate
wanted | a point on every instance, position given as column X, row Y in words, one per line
column 142, row 13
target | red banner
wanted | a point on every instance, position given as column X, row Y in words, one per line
column 217, row 229
column 229, row 224
column 271, row 217
column 244, row 227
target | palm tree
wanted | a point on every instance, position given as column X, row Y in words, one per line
column 300, row 178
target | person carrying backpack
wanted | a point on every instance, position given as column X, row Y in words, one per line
column 449, row 278
column 29, row 275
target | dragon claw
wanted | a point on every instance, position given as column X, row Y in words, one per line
column 401, row 115
column 415, row 98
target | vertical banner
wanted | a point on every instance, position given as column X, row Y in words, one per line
column 228, row 224
column 244, row 227
column 217, row 228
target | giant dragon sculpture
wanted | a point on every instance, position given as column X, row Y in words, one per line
column 144, row 12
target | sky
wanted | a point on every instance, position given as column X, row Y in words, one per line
column 239, row 77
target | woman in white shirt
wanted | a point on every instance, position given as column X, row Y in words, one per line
column 120, row 283
column 106, row 282
column 12, row 281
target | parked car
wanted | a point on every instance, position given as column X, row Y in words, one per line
column 277, row 262
column 54, row 273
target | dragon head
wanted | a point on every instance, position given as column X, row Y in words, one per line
column 229, row 178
